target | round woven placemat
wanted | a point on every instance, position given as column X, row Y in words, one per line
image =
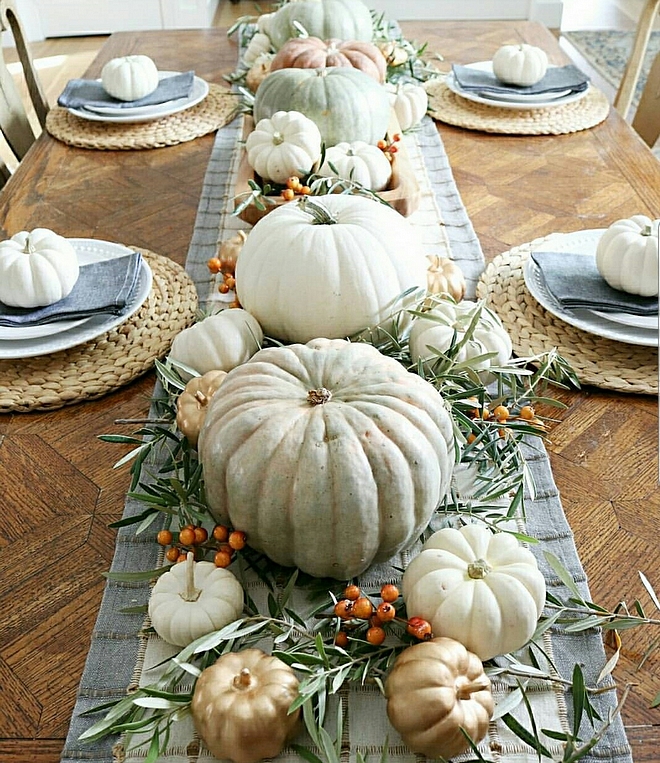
column 111, row 360
column 446, row 106
column 216, row 110
column 533, row 330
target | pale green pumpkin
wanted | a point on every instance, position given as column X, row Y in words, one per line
column 339, row 19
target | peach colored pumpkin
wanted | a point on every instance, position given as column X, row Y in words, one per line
column 314, row 53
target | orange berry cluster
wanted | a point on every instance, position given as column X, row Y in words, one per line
column 295, row 187
column 354, row 605
column 389, row 148
column 502, row 414
column 223, row 543
column 215, row 266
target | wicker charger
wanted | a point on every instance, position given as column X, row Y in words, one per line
column 216, row 110
column 446, row 106
column 597, row 361
column 111, row 360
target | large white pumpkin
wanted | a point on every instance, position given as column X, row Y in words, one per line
column 627, row 255
column 328, row 267
column 481, row 588
column 329, row 456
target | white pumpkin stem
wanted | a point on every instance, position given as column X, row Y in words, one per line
column 478, row 569
column 243, row 680
column 190, row 593
column 647, row 231
column 320, row 214
column 465, row 691
column 278, row 139
column 319, row 396
column 242, row 235
column 29, row 248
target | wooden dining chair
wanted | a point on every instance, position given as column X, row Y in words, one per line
column 15, row 125
column 646, row 121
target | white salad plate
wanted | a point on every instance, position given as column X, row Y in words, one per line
column 601, row 324
column 84, row 330
column 511, row 101
column 129, row 114
column 16, row 333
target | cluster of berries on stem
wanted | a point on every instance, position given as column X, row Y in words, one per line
column 501, row 414
column 389, row 147
column 295, row 188
column 222, row 543
column 228, row 283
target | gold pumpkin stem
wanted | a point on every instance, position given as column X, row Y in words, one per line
column 465, row 691
column 190, row 593
column 243, row 680
column 201, row 398
column 319, row 396
column 478, row 569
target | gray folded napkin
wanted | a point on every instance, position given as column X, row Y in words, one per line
column 556, row 79
column 79, row 93
column 102, row 287
column 574, row 281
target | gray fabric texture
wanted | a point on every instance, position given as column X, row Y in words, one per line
column 79, row 93
column 555, row 80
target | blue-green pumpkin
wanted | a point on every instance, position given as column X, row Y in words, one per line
column 338, row 19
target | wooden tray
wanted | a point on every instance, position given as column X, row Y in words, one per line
column 403, row 192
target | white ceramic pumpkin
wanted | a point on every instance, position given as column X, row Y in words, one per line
column 329, row 455
column 481, row 588
column 446, row 320
column 409, row 102
column 288, row 144
column 130, row 77
column 627, row 255
column 258, row 45
column 521, row 64
column 192, row 599
column 218, row 343
column 359, row 161
column 37, row 268
column 328, row 268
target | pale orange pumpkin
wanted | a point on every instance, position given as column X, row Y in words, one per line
column 192, row 403
column 445, row 277
column 314, row 53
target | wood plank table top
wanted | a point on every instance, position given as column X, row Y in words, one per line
column 58, row 491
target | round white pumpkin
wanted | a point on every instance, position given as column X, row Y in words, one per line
column 522, row 65
column 37, row 268
column 481, row 588
column 330, row 456
column 448, row 320
column 192, row 599
column 288, row 144
column 219, row 342
column 409, row 102
column 129, row 78
column 627, row 255
column 328, row 268
column 358, row 161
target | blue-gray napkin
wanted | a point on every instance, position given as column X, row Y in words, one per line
column 102, row 287
column 574, row 281
column 79, row 93
column 556, row 79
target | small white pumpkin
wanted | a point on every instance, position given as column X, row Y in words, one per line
column 288, row 144
column 130, row 77
column 358, row 161
column 259, row 70
column 192, row 599
column 263, row 23
column 409, row 102
column 481, row 588
column 37, row 268
column 218, row 343
column 258, row 45
column 446, row 319
column 627, row 255
column 522, row 65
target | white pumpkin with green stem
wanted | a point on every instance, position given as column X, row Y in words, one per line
column 286, row 145
column 192, row 599
column 521, row 65
column 37, row 268
column 359, row 161
column 129, row 78
column 326, row 19
column 627, row 255
column 328, row 268
column 409, row 102
column 481, row 588
column 329, row 455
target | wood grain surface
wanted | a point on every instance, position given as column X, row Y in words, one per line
column 58, row 490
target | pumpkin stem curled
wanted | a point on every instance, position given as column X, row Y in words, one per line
column 478, row 569
column 320, row 215
column 319, row 396
column 190, row 593
column 465, row 691
column 243, row 680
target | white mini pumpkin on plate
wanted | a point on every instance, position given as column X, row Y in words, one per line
column 627, row 255
column 522, row 65
column 129, row 78
column 358, row 161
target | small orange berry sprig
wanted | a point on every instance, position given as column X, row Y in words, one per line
column 294, row 188
column 222, row 543
column 389, row 147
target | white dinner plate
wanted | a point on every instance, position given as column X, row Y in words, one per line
column 199, row 91
column 16, row 333
column 649, row 322
column 537, row 101
column 89, row 250
column 581, row 243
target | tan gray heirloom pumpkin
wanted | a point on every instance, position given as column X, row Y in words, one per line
column 329, row 455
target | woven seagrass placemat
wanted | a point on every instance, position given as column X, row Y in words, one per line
column 216, row 110
column 596, row 361
column 446, row 106
column 113, row 359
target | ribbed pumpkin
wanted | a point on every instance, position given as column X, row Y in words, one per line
column 346, row 104
column 314, row 53
column 343, row 19
column 329, row 455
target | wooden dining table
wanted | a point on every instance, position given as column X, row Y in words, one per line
column 59, row 492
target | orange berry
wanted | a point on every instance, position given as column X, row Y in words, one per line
column 386, row 612
column 293, row 182
column 351, row 592
column 363, row 608
column 288, row 194
column 181, row 558
column 389, row 592
column 392, row 149
column 396, row 137
column 214, row 265
column 471, row 438
column 344, row 609
column 502, row 432
column 223, row 288
column 341, row 639
column 305, row 190
column 381, row 145
column 230, row 281
column 226, row 548
column 419, row 628
column 201, row 535
column 220, row 533
column 237, row 540
column 375, row 621
column 501, row 413
column 172, row 554
column 527, row 412
column 187, row 536
column 376, row 636
column 222, row 559
column 234, row 303
column 164, row 537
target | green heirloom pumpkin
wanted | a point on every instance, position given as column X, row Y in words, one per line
column 346, row 104
column 341, row 19
column 329, row 455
